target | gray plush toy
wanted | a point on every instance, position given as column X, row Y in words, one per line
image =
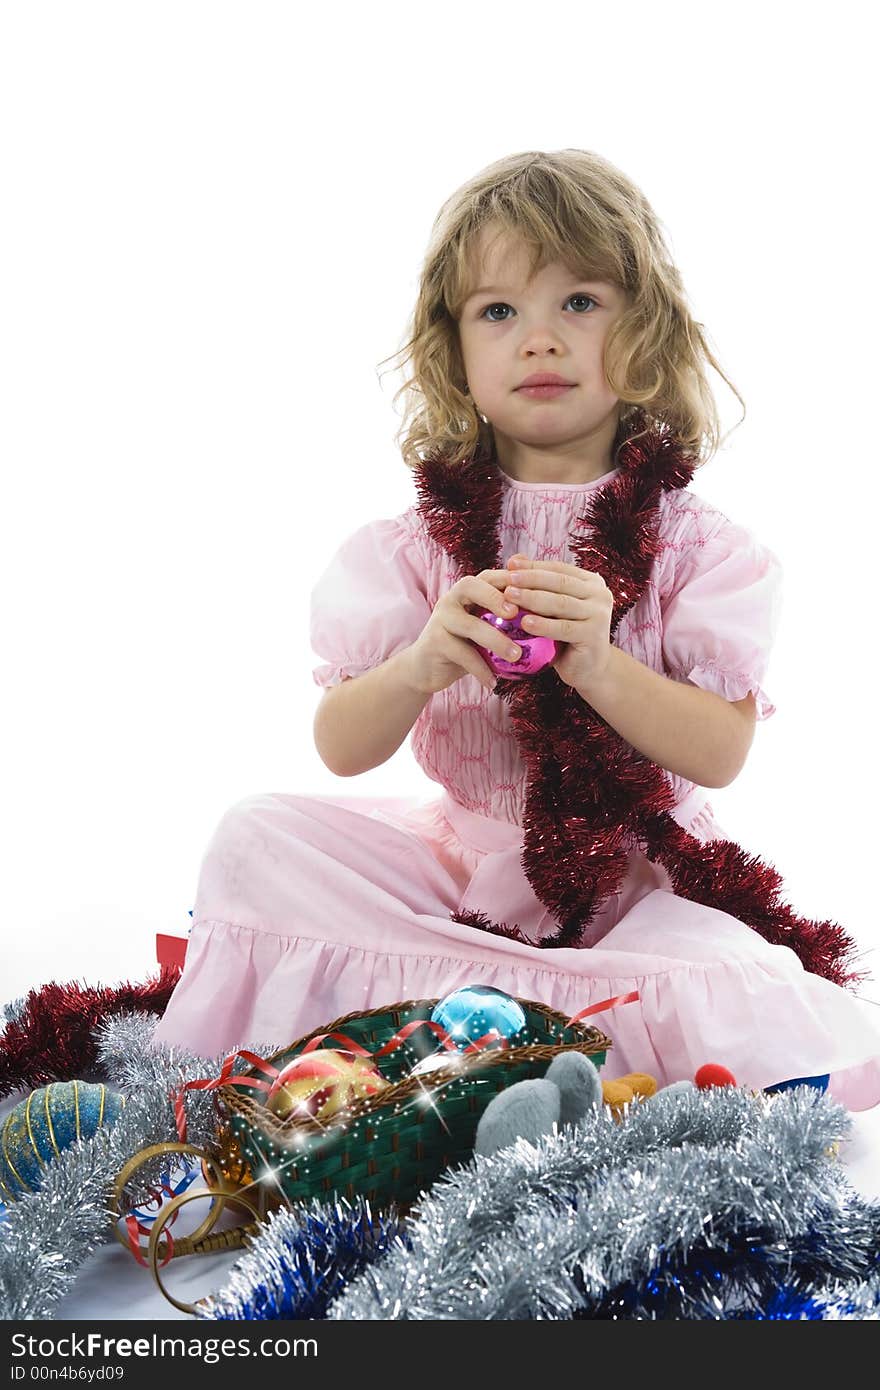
column 570, row 1088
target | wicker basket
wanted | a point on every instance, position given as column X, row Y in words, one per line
column 392, row 1146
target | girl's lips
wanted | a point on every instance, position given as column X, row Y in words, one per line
column 542, row 392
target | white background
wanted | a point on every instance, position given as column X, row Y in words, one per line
column 213, row 221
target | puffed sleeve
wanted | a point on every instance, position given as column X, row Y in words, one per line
column 721, row 615
column 369, row 602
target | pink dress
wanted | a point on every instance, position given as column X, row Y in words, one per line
column 309, row 907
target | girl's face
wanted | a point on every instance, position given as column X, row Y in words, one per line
column 558, row 323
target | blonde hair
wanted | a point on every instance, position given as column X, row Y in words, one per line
column 575, row 207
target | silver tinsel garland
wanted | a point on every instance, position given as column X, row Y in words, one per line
column 843, row 1302
column 550, row 1231
column 14, row 1009
column 47, row 1235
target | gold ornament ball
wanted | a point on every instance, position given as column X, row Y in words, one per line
column 324, row 1082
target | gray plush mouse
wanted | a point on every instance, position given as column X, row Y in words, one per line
column 569, row 1089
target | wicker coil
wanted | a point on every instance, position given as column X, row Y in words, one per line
column 392, row 1146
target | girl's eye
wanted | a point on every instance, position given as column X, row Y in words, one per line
column 507, row 306
column 585, row 296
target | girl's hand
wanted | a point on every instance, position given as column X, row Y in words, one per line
column 444, row 651
column 574, row 606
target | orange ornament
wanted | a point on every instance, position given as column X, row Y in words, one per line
column 622, row 1092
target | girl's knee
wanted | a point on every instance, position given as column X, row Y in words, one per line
column 239, row 821
column 250, row 819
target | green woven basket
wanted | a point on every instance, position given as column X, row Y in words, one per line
column 390, row 1147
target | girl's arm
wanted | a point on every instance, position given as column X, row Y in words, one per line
column 362, row 722
column 694, row 733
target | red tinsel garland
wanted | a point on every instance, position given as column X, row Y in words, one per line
column 51, row 1038
column 591, row 797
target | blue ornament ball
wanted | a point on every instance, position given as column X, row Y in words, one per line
column 470, row 1012
column 46, row 1123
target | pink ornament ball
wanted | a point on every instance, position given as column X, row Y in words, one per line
column 537, row 652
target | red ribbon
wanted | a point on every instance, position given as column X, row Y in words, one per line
column 136, row 1228
column 393, row 1043
column 210, row 1083
column 606, row 1004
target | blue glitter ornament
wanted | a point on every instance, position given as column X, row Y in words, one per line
column 48, row 1121
column 474, row 1010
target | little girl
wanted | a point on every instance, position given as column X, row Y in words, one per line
column 572, row 855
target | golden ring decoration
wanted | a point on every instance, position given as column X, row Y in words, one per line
column 223, row 1240
column 199, row 1242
